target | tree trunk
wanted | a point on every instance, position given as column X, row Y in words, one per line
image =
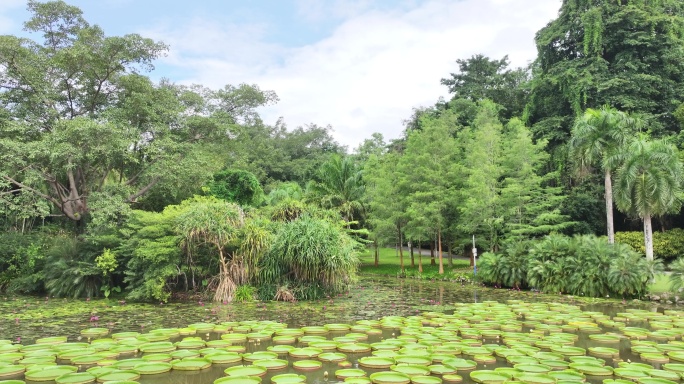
column 439, row 242
column 420, row 258
column 609, row 207
column 401, row 252
column 377, row 253
column 648, row 237
column 413, row 263
column 432, row 252
column 451, row 256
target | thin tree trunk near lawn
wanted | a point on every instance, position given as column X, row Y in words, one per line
column 451, row 256
column 413, row 263
column 609, row 207
column 648, row 237
column 377, row 253
column 432, row 252
column 420, row 258
column 439, row 241
column 401, row 252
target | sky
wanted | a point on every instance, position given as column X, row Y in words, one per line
column 360, row 66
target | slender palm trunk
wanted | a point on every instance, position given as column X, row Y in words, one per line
column 413, row 263
column 439, row 242
column 377, row 253
column 648, row 237
column 609, row 207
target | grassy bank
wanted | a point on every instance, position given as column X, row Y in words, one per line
column 390, row 265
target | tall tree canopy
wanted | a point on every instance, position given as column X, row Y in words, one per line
column 624, row 53
column 86, row 132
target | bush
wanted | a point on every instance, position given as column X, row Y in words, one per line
column 581, row 265
column 667, row 246
column 312, row 256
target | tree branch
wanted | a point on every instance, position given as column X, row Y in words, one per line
column 132, row 198
column 32, row 190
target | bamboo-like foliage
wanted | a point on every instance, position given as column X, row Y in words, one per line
column 311, row 251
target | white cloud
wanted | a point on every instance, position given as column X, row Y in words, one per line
column 372, row 70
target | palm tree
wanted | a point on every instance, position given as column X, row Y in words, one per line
column 598, row 138
column 649, row 183
column 340, row 186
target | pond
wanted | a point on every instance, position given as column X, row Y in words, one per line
column 410, row 328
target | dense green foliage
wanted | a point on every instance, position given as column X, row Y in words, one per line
column 667, row 245
column 113, row 184
column 581, row 265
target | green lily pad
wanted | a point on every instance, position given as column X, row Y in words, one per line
column 415, row 360
column 238, row 380
column 376, row 362
column 489, row 377
column 191, row 364
column 425, row 380
column 152, row 368
column 592, row 369
column 390, row 378
column 307, row 365
column 11, row 370
column 354, row 348
column 259, row 356
column 349, row 372
column 50, row 373
column 655, row 380
column 288, row 378
column 245, row 370
column 223, row 357
column 271, row 364
column 305, row 352
column 411, row 370
column 75, row 378
column 450, row 378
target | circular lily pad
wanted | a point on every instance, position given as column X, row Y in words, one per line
column 307, row 365
column 75, row 378
column 460, row 364
column 245, row 370
column 452, row 378
column 50, row 373
column 152, row 368
column 288, row 378
column 357, row 380
column 349, row 372
column 119, row 375
column 337, row 327
column 11, row 370
column 191, row 364
column 439, row 369
column 271, row 364
column 183, row 353
column 533, row 378
column 354, row 348
column 592, row 369
column 261, row 355
column 305, row 352
column 94, row 332
column 426, row 380
column 52, row 340
column 411, row 370
column 390, row 378
column 655, row 380
column 332, row 356
column 376, row 362
column 238, row 380
column 223, row 357
column 489, row 377
column 414, row 360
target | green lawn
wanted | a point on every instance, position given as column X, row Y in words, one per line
column 389, row 263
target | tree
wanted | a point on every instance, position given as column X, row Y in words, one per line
column 339, row 185
column 599, row 137
column 215, row 223
column 428, row 159
column 624, row 53
column 649, row 183
column 481, row 213
column 237, row 186
column 480, row 78
column 84, row 129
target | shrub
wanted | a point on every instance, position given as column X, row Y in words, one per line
column 581, row 265
column 667, row 246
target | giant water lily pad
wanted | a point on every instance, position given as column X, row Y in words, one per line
column 271, row 364
column 152, row 368
column 223, row 357
column 238, row 380
column 425, row 380
column 415, row 360
column 411, row 370
column 288, row 378
column 307, row 365
column 11, row 370
column 76, row 378
column 245, row 370
column 489, row 377
column 50, row 373
column 349, row 372
column 390, row 378
column 354, row 348
column 191, row 364
column 376, row 362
